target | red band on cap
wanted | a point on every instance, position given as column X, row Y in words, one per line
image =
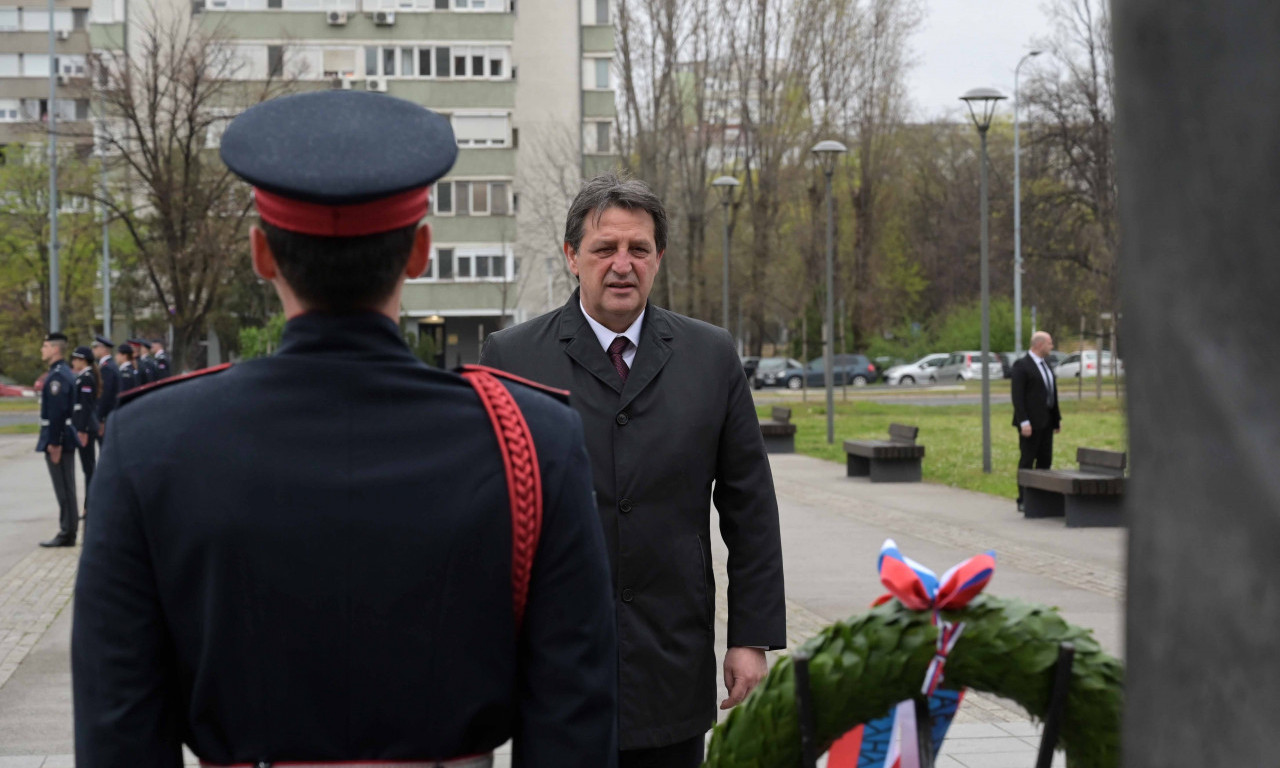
column 383, row 215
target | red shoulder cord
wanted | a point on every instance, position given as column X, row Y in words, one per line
column 524, row 480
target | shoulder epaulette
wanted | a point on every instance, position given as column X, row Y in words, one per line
column 137, row 392
column 560, row 394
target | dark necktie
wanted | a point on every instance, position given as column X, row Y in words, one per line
column 616, row 349
column 1048, row 383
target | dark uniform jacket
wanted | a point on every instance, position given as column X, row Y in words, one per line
column 161, row 360
column 146, row 369
column 84, row 413
column 307, row 557
column 57, row 400
column 110, row 374
column 1030, row 398
column 128, row 377
column 684, row 421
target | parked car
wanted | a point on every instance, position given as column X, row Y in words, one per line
column 749, row 364
column 1007, row 359
column 769, row 368
column 1070, row 368
column 1056, row 358
column 915, row 373
column 964, row 366
column 855, row 370
column 11, row 388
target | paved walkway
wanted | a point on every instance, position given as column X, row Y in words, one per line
column 832, row 528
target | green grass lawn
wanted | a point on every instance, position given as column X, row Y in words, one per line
column 952, row 436
column 20, row 429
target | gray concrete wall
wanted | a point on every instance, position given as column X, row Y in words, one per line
column 1199, row 153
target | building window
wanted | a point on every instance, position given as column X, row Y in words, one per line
column 499, row 198
column 10, row 110
column 388, row 62
column 371, row 61
column 444, row 197
column 602, row 137
column 602, row 11
column 495, row 67
column 9, row 21
column 35, row 65
column 462, row 266
column 275, row 61
column 479, row 199
column 10, row 65
column 424, row 62
column 339, row 62
column 481, row 130
column 602, row 73
column 444, row 263
column 442, row 61
column 463, row 197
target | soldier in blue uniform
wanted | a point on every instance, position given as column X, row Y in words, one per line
column 128, row 372
column 57, row 437
column 315, row 557
column 145, row 366
column 109, row 374
column 161, row 359
column 84, row 412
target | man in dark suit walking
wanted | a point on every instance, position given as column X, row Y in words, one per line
column 1035, row 406
column 668, row 415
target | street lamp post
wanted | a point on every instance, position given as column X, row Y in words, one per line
column 982, row 106
column 827, row 152
column 55, row 320
column 726, row 185
column 1017, row 215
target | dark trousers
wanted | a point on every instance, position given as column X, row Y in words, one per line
column 88, row 461
column 63, row 475
column 683, row 754
column 1036, row 451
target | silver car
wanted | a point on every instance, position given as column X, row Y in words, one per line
column 964, row 366
column 915, row 373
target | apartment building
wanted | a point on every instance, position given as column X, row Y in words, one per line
column 513, row 76
column 25, row 65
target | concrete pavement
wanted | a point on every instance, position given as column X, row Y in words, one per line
column 832, row 528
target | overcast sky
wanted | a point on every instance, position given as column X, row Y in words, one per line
column 964, row 44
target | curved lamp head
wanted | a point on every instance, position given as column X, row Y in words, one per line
column 826, row 152
column 726, row 185
column 982, row 106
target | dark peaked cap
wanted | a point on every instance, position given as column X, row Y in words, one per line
column 339, row 148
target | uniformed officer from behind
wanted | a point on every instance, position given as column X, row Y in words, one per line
column 142, row 361
column 84, row 412
column 312, row 558
column 57, row 437
column 161, row 359
column 128, row 372
column 109, row 376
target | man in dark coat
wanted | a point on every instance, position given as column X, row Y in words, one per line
column 1035, row 406
column 312, row 558
column 57, row 439
column 84, row 412
column 146, row 366
column 109, row 372
column 668, row 415
column 127, row 369
column 161, row 358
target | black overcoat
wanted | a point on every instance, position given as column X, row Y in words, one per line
column 683, row 423
column 308, row 558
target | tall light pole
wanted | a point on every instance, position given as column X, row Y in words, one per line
column 1017, row 215
column 726, row 185
column 982, row 106
column 827, row 152
column 54, row 319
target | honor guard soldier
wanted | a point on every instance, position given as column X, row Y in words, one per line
column 394, row 564
column 58, row 438
column 128, row 373
column 146, row 366
column 109, row 376
column 161, row 359
column 84, row 412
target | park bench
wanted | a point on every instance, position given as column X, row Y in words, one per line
column 896, row 460
column 778, row 432
column 1090, row 496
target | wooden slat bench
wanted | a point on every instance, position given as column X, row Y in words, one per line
column 779, row 433
column 896, row 460
column 1091, row 496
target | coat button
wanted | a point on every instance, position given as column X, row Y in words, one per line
column 627, row 595
column 624, row 506
column 623, row 418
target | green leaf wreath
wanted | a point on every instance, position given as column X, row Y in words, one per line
column 861, row 668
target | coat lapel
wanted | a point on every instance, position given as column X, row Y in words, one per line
column 582, row 345
column 651, row 355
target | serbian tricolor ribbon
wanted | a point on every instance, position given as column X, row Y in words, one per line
column 890, row 741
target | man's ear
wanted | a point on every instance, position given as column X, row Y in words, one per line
column 420, row 256
column 264, row 262
column 572, row 256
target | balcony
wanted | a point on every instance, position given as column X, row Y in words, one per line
column 597, row 39
column 299, row 26
column 77, row 42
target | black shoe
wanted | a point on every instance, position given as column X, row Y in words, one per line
column 59, row 541
column 1021, row 507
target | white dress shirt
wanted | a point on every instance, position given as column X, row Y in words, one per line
column 606, row 336
column 1041, row 367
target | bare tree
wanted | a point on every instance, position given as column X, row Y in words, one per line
column 164, row 107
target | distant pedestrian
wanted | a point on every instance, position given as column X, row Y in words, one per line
column 146, row 367
column 128, row 372
column 161, row 359
column 1035, row 406
column 84, row 412
column 109, row 376
column 58, row 438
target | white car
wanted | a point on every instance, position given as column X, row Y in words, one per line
column 915, row 373
column 965, row 366
column 1070, row 367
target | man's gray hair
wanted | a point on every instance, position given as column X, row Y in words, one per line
column 613, row 191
